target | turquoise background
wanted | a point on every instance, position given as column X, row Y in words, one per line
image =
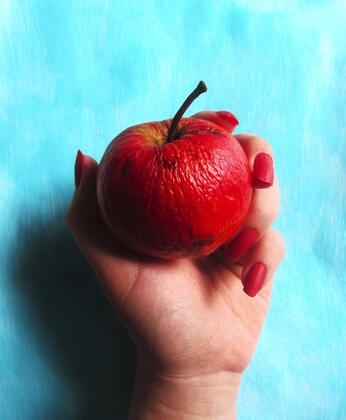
column 73, row 75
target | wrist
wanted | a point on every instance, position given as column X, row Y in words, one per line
column 199, row 397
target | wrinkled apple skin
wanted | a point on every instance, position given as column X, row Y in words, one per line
column 178, row 199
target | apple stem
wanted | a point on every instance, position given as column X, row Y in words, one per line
column 201, row 87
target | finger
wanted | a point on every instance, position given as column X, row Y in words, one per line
column 261, row 264
column 84, row 209
column 104, row 252
column 83, row 216
column 265, row 201
column 224, row 119
column 260, row 155
column 263, row 211
column 95, row 239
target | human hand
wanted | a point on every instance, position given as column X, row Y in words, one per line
column 194, row 327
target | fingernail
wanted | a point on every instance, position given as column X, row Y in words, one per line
column 78, row 168
column 229, row 121
column 263, row 171
column 241, row 244
column 254, row 279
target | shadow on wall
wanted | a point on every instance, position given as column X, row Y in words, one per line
column 72, row 322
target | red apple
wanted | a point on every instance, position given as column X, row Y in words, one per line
column 175, row 188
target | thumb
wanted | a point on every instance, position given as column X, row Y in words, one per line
column 83, row 216
column 83, row 209
column 84, row 219
column 104, row 253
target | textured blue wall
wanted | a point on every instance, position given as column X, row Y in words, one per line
column 73, row 75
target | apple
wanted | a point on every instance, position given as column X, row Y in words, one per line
column 177, row 188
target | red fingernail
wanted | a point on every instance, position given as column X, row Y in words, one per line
column 241, row 244
column 263, row 171
column 229, row 121
column 254, row 279
column 78, row 168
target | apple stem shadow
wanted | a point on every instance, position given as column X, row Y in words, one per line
column 71, row 324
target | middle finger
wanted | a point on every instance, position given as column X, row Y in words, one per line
column 263, row 211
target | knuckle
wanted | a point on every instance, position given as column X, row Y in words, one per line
column 267, row 146
column 273, row 246
column 279, row 243
column 262, row 143
column 263, row 210
column 266, row 205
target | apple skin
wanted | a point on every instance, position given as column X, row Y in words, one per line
column 181, row 199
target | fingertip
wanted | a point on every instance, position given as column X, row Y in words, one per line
column 254, row 279
column 78, row 168
column 262, row 262
column 228, row 120
column 83, row 164
column 263, row 171
column 224, row 119
column 253, row 145
column 84, row 206
column 260, row 155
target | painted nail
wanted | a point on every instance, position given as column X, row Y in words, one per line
column 78, row 168
column 228, row 120
column 224, row 119
column 240, row 244
column 263, row 171
column 254, row 279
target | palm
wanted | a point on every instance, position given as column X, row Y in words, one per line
column 185, row 312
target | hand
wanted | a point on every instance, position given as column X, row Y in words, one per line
column 194, row 327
